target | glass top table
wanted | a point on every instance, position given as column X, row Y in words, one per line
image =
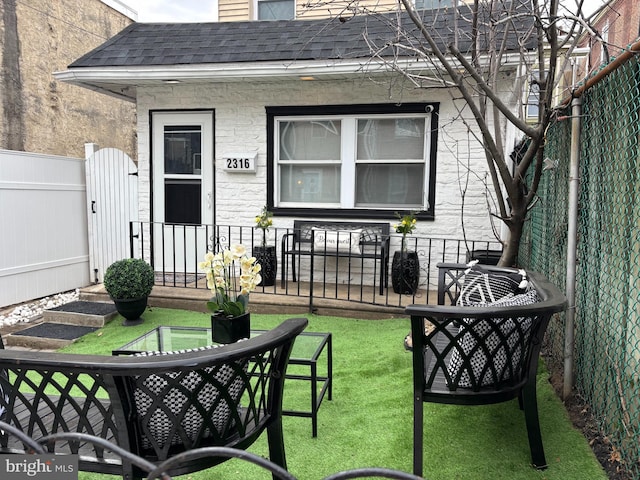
column 308, row 348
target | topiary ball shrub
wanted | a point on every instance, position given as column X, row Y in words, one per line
column 129, row 278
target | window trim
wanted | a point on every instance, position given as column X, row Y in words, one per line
column 361, row 109
column 433, row 7
column 256, row 9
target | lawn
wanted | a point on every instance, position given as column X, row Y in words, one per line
column 369, row 421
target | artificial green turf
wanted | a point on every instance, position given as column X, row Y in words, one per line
column 369, row 421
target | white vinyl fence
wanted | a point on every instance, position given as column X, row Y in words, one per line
column 43, row 226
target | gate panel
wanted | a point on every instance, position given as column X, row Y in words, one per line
column 112, row 197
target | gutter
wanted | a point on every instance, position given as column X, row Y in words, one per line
column 219, row 72
column 572, row 246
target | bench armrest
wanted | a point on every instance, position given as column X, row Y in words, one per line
column 285, row 241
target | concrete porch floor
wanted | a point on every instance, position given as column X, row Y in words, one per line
column 293, row 300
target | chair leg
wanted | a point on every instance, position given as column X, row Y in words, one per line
column 417, row 435
column 276, row 444
column 293, row 267
column 530, row 404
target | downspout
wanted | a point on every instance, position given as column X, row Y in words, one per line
column 572, row 242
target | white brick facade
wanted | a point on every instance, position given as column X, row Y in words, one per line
column 240, row 125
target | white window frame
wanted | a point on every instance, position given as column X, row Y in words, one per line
column 349, row 160
column 532, row 109
column 256, row 10
column 436, row 4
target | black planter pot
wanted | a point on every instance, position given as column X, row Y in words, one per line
column 230, row 329
column 266, row 257
column 131, row 309
column 405, row 272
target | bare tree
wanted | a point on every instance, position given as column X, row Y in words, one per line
column 467, row 52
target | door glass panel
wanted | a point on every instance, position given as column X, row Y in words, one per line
column 182, row 157
column 182, row 201
column 182, row 149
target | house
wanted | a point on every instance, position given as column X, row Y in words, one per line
column 38, row 113
column 243, row 10
column 299, row 115
column 618, row 26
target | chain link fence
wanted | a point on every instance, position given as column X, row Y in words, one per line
column 607, row 318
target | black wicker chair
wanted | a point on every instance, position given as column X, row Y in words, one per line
column 484, row 347
column 154, row 407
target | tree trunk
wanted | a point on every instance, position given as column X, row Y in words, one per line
column 512, row 245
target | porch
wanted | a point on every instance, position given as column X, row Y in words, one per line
column 276, row 299
column 327, row 282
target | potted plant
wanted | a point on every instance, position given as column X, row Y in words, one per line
column 405, row 268
column 231, row 276
column 266, row 254
column 129, row 282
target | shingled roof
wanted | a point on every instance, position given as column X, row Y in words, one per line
column 152, row 53
column 144, row 44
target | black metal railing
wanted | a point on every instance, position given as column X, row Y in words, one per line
column 175, row 251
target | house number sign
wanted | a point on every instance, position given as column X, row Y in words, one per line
column 240, row 162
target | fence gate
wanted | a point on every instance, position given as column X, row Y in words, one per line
column 112, row 198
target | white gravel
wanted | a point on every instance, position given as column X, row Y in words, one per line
column 28, row 311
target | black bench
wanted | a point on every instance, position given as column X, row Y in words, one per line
column 482, row 347
column 155, row 405
column 351, row 240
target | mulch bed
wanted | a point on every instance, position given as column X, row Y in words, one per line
column 583, row 419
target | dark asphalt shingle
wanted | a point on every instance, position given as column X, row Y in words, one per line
column 146, row 44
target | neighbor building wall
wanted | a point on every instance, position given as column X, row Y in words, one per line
column 39, row 114
column 240, row 125
column 619, row 26
column 242, row 10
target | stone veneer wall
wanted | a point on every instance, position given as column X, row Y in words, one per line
column 39, row 114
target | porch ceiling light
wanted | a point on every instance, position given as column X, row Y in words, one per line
column 307, row 78
column 171, row 81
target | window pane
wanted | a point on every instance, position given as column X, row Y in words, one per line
column 310, row 140
column 391, row 139
column 391, row 184
column 276, row 9
column 182, row 201
column 318, row 184
column 533, row 102
column 182, row 149
column 430, row 4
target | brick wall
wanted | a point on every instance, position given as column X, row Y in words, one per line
column 620, row 25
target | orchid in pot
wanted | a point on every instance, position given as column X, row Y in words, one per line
column 231, row 276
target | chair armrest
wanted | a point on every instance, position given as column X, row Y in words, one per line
column 285, row 242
